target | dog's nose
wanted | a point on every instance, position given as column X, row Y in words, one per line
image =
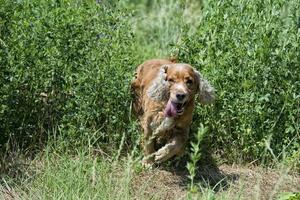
column 180, row 97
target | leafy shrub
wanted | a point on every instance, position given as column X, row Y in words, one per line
column 250, row 50
column 64, row 64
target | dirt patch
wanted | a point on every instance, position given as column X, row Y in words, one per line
column 159, row 184
column 231, row 181
column 260, row 183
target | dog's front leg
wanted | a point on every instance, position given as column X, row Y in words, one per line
column 159, row 125
column 148, row 144
column 148, row 125
column 165, row 124
column 176, row 146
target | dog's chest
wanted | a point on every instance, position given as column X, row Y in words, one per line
column 164, row 138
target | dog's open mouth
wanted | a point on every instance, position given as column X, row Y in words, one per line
column 174, row 108
column 179, row 107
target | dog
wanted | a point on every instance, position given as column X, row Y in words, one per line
column 164, row 94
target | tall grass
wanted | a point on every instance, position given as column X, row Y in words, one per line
column 84, row 176
column 89, row 173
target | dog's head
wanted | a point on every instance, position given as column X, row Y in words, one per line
column 178, row 84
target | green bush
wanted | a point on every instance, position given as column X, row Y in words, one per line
column 66, row 65
column 250, row 51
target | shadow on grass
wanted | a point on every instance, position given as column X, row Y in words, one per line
column 208, row 175
column 15, row 161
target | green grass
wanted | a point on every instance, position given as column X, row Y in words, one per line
column 89, row 173
column 82, row 176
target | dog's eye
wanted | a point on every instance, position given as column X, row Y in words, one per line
column 189, row 82
column 171, row 80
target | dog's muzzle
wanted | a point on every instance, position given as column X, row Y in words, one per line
column 174, row 108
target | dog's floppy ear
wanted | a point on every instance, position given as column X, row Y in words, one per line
column 159, row 89
column 205, row 90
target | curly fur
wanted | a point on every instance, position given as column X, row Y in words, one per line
column 151, row 91
column 159, row 89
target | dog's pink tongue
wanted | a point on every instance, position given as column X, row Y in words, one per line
column 170, row 110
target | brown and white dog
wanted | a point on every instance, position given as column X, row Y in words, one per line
column 163, row 100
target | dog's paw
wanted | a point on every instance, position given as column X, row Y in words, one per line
column 148, row 164
column 161, row 155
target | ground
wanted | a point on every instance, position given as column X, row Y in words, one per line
column 226, row 181
column 90, row 176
